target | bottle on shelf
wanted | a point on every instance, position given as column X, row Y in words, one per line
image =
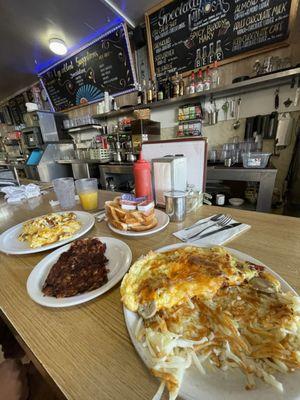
column 176, row 85
column 181, row 86
column 168, row 88
column 204, row 56
column 140, row 94
column 211, row 54
column 207, row 79
column 219, row 52
column 215, row 76
column 160, row 91
column 198, row 60
column 199, row 83
column 149, row 92
column 144, row 90
column 192, row 85
column 154, row 88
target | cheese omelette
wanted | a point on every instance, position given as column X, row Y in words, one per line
column 49, row 229
column 214, row 311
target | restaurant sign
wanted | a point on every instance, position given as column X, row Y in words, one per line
column 104, row 65
column 188, row 34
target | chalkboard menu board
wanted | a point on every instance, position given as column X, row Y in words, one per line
column 17, row 108
column 188, row 34
column 105, row 65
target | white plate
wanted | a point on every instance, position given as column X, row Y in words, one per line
column 119, row 258
column 222, row 385
column 162, row 221
column 10, row 244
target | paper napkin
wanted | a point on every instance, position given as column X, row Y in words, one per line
column 218, row 238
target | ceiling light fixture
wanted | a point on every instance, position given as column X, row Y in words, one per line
column 58, row 46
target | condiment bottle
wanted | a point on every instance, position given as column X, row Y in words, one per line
column 142, row 178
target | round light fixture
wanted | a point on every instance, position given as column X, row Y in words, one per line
column 58, row 46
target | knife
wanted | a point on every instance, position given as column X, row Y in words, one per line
column 217, row 231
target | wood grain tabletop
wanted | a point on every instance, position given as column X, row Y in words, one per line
column 85, row 351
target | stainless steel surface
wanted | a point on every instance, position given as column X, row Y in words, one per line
column 130, row 157
column 47, row 169
column 176, row 205
column 117, row 172
column 223, row 221
column 80, row 171
column 86, row 129
column 83, row 161
column 227, row 162
column 237, row 122
column 117, row 156
column 265, row 177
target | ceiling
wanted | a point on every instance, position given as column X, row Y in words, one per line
column 26, row 27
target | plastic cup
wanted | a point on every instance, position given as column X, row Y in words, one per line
column 87, row 190
column 65, row 192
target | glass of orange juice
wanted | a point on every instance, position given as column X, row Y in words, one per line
column 87, row 190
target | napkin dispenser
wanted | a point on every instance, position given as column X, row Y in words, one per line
column 169, row 173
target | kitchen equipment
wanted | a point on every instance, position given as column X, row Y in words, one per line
column 255, row 160
column 142, row 178
column 145, row 127
column 175, row 205
column 232, row 108
column 297, row 94
column 32, row 137
column 50, row 124
column 212, row 156
column 130, row 157
column 227, row 162
column 284, row 130
column 287, row 102
column 236, row 202
column 237, row 122
column 225, row 108
column 117, row 156
column 276, row 99
column 65, row 192
column 169, row 174
column 220, row 199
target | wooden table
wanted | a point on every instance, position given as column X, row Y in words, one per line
column 85, row 351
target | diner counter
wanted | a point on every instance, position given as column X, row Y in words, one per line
column 85, row 351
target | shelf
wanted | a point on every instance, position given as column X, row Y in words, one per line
column 258, row 83
column 186, row 121
column 81, row 128
column 117, row 113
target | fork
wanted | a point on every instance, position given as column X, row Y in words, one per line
column 213, row 219
column 225, row 220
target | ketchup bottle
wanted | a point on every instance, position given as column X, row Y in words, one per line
column 142, row 178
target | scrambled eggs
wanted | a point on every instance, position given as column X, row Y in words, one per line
column 49, row 229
